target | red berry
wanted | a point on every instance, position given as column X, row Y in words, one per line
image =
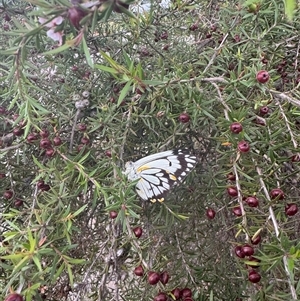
column 291, row 209
column 236, row 127
column 263, row 110
column 44, row 133
column 153, row 278
column 176, row 293
column 247, row 250
column 232, row 191
column 256, row 240
column 2, row 175
column 277, row 193
column 49, row 152
column 239, row 252
column 113, row 214
column 243, row 146
column 45, row 143
column 184, row 117
column 210, row 213
column 8, row 194
column 254, row 277
column 57, row 141
column 164, row 278
column 138, row 232
column 139, row 271
column 85, row 140
column 82, row 127
column 161, row 297
column 14, row 297
column 252, row 201
column 231, row 177
column 31, row 137
column 186, row 292
column 262, row 76
column 237, row 211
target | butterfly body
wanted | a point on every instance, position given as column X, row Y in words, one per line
column 158, row 173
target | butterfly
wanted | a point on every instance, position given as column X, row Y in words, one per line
column 158, row 173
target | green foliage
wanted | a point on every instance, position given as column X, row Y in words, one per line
column 111, row 82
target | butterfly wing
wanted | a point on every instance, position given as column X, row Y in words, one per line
column 158, row 173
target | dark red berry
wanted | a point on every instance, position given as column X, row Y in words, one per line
column 194, row 27
column 14, row 297
column 277, row 193
column 237, row 211
column 247, row 250
column 256, row 240
column 262, row 76
column 239, row 252
column 2, row 175
column 255, row 261
column 138, row 232
column 18, row 202
column 184, row 117
column 45, row 143
column 74, row 68
column 8, row 194
column 236, row 127
column 164, row 278
column 252, row 201
column 296, row 158
column 161, row 297
column 264, row 61
column 18, row 131
column 113, row 214
column 186, row 292
column 57, row 141
column 231, row 177
column 254, row 277
column 176, row 293
column 75, row 15
column 153, row 278
column 291, row 209
column 40, row 183
column 45, row 187
column 232, row 191
column 108, row 153
column 139, row 271
column 243, row 146
column 263, row 110
column 210, row 213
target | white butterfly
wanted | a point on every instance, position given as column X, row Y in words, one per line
column 158, row 173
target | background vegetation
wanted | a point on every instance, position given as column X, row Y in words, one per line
column 86, row 87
